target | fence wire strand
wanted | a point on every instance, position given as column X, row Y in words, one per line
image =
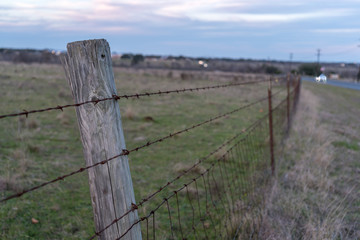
column 130, row 96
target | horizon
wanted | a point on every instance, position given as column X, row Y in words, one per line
column 190, row 57
column 256, row 30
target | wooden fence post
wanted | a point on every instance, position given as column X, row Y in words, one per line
column 88, row 68
column 271, row 132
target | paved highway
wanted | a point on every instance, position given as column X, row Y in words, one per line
column 350, row 85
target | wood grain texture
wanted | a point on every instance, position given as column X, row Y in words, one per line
column 88, row 68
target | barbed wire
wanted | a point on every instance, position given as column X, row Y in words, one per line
column 216, row 162
column 127, row 152
column 136, row 206
column 201, row 160
column 135, row 95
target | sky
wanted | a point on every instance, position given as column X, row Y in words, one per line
column 256, row 29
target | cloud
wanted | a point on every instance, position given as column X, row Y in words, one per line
column 266, row 18
column 66, row 16
column 338, row 30
column 231, row 11
column 120, row 15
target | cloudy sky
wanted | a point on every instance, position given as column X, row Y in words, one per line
column 258, row 29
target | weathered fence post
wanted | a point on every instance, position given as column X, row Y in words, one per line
column 271, row 131
column 88, row 68
column 288, row 102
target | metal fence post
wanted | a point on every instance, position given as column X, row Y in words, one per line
column 296, row 91
column 271, row 132
column 88, row 67
column 288, row 101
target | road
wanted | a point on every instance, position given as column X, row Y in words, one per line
column 355, row 86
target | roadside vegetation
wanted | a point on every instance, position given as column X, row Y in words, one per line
column 317, row 192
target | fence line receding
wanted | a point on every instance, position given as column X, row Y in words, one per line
column 213, row 198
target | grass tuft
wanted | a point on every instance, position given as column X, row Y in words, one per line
column 351, row 146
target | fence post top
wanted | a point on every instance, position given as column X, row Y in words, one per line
column 90, row 41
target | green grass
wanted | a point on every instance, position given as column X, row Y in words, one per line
column 352, row 145
column 45, row 145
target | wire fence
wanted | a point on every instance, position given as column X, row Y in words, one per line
column 221, row 190
column 217, row 202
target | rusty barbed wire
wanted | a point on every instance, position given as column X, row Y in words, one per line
column 144, row 200
column 135, row 95
column 127, row 152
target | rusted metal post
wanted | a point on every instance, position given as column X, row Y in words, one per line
column 299, row 88
column 89, row 71
column 296, row 91
column 271, row 132
column 288, row 102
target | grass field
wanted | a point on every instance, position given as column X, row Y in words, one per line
column 46, row 145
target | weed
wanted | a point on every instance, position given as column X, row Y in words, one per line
column 352, row 145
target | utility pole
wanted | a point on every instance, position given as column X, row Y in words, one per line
column 291, row 57
column 318, row 60
column 358, row 75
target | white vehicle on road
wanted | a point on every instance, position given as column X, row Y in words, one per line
column 320, row 78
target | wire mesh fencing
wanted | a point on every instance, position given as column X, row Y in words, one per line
column 220, row 199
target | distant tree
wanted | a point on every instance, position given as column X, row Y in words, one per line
column 46, row 56
column 180, row 57
column 272, row 70
column 127, row 56
column 358, row 76
column 137, row 59
column 24, row 56
column 154, row 56
column 310, row 69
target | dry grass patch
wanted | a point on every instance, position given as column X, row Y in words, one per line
column 32, row 124
column 14, row 178
column 302, row 203
column 181, row 167
column 130, row 113
column 221, row 154
column 63, row 118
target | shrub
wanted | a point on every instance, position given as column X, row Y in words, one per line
column 272, row 70
column 310, row 69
